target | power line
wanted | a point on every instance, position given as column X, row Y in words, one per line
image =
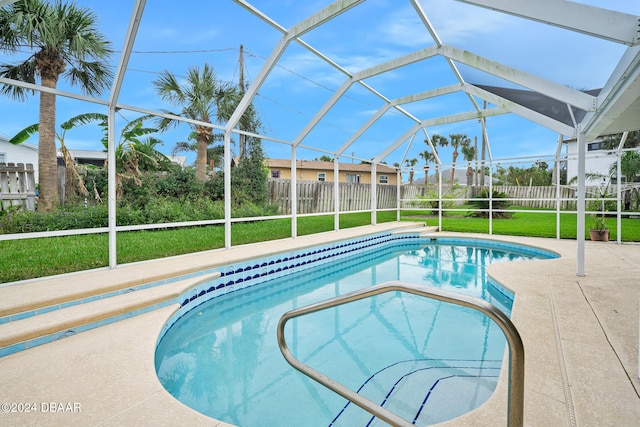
column 288, row 70
column 164, row 52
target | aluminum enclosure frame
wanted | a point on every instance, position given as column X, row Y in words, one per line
column 612, row 111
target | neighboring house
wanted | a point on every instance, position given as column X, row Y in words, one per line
column 97, row 158
column 85, row 157
column 179, row 160
column 21, row 153
column 323, row 171
column 28, row 153
column 598, row 160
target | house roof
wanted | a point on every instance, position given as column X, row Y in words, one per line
column 319, row 165
column 88, row 154
column 24, row 144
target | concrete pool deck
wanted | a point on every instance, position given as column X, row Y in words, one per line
column 580, row 336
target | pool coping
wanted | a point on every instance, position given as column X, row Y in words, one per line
column 557, row 321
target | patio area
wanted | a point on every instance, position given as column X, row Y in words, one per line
column 580, row 336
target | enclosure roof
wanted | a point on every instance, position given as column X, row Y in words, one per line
column 542, row 104
column 613, row 108
column 435, row 61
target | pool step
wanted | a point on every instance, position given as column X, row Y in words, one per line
column 422, row 391
column 17, row 335
column 422, row 230
column 58, row 290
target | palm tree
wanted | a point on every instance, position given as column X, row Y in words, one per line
column 428, row 157
column 469, row 153
column 65, row 42
column 411, row 163
column 214, row 154
column 397, row 166
column 437, row 141
column 202, row 98
column 457, row 140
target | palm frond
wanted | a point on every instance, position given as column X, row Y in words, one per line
column 183, row 146
column 92, row 77
column 163, row 124
column 24, row 72
column 24, row 134
column 83, row 119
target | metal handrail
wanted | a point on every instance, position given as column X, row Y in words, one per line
column 515, row 404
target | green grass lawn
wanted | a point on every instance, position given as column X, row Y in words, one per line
column 31, row 258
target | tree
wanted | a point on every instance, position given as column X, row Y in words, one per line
column 397, row 166
column 202, row 98
column 74, row 184
column 630, row 168
column 611, row 142
column 436, row 141
column 629, row 165
column 215, row 153
column 136, row 150
column 428, row 157
column 457, row 140
column 64, row 41
column 469, row 153
column 538, row 174
column 411, row 163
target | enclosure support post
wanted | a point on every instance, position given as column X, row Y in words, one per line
column 490, row 196
column 111, row 186
column 439, row 196
column 374, row 195
column 619, row 200
column 556, row 174
column 227, row 189
column 336, row 193
column 398, row 193
column 134, row 24
column 294, row 194
column 581, row 203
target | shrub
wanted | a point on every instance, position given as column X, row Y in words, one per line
column 497, row 204
column 430, row 200
column 180, row 184
column 65, row 218
column 137, row 194
column 248, row 210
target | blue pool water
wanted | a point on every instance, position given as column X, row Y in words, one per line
column 425, row 360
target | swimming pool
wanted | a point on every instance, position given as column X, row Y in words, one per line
column 221, row 357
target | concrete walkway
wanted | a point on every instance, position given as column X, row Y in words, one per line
column 580, row 336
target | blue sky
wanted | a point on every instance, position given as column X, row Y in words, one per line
column 176, row 36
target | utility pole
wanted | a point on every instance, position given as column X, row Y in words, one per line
column 475, row 154
column 243, row 138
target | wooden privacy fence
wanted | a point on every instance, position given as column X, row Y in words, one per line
column 545, row 196
column 17, row 186
column 317, row 197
